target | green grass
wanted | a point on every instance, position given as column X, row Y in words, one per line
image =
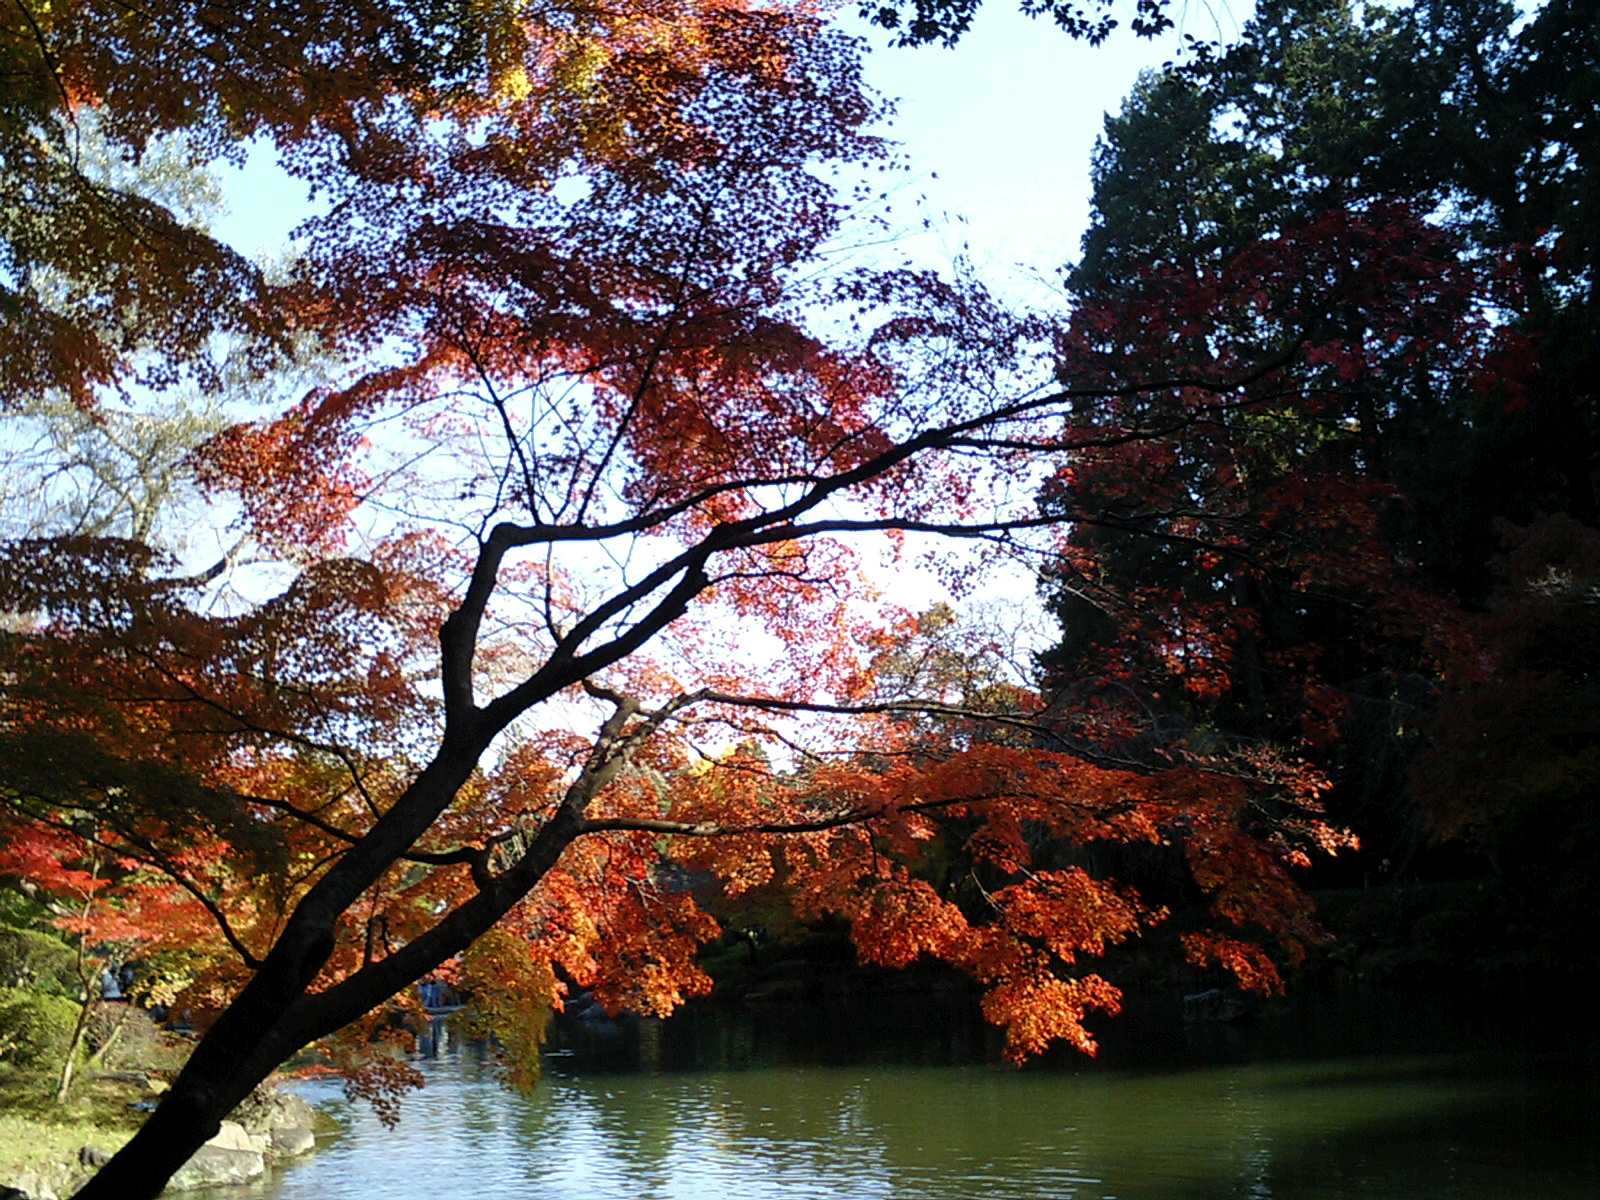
column 32, row 1141
column 37, row 1135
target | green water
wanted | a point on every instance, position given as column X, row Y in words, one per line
column 806, row 1114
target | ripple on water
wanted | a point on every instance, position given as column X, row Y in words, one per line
column 1367, row 1129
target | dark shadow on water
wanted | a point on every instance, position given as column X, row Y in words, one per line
column 904, row 1097
column 1420, row 1072
column 1543, row 1147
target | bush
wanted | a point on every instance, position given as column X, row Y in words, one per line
column 34, row 960
column 35, row 1029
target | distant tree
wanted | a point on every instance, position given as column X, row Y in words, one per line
column 1421, row 124
column 1512, row 755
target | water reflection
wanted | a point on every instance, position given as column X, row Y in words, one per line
column 753, row 1108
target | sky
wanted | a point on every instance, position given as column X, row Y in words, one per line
column 997, row 134
column 998, row 131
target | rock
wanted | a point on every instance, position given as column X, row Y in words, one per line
column 291, row 1140
column 266, row 1109
column 234, row 1136
column 213, row 1165
column 27, row 1185
column 93, row 1156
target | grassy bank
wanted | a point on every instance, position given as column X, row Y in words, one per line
column 40, row 1140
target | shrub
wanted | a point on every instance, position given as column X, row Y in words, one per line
column 35, row 1028
column 34, row 960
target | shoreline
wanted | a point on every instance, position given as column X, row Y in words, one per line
column 271, row 1129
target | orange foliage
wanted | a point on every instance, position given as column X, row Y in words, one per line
column 558, row 625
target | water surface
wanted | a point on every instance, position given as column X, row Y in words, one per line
column 799, row 1116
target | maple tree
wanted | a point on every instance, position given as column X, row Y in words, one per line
column 591, row 507
column 108, row 914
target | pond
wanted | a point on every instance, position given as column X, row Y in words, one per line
column 781, row 1104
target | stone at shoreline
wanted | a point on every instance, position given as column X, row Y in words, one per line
column 290, row 1141
column 267, row 1108
column 269, row 1126
column 27, row 1185
column 234, row 1136
column 212, row 1165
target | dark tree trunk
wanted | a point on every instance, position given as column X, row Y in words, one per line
column 210, row 1086
column 275, row 1015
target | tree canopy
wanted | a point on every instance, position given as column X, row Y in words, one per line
column 922, row 21
column 552, row 600
column 1363, row 548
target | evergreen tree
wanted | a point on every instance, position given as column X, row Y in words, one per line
column 1302, row 572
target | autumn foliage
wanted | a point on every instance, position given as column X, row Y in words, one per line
column 1324, row 590
column 547, row 617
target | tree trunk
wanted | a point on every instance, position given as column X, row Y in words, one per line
column 247, row 1042
column 210, row 1086
column 74, row 1044
column 89, row 980
column 112, row 1038
column 276, row 1015
column 269, row 1019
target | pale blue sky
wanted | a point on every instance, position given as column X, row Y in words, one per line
column 997, row 133
column 1007, row 120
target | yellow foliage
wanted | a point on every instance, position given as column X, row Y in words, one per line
column 512, row 998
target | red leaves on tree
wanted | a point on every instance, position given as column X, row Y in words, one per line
column 564, row 633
